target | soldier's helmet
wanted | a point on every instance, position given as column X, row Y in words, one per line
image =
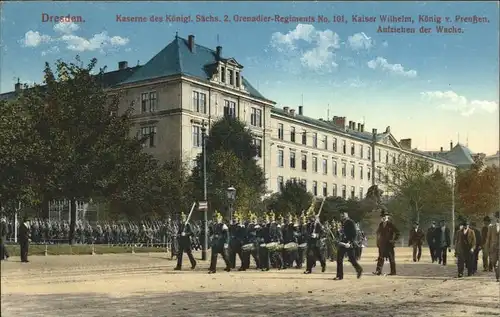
column 218, row 216
column 272, row 216
column 289, row 217
column 281, row 219
column 183, row 217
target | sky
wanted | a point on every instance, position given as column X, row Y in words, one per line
column 431, row 87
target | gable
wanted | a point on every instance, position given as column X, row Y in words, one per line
column 233, row 62
column 389, row 140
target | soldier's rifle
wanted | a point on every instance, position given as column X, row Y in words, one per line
column 188, row 217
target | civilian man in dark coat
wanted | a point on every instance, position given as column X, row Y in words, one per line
column 484, row 247
column 443, row 242
column 348, row 242
column 387, row 235
column 464, row 248
column 184, row 235
column 477, row 247
column 415, row 240
column 24, row 238
column 431, row 241
column 4, row 229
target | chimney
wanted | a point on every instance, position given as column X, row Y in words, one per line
column 359, row 126
column 405, row 144
column 218, row 52
column 441, row 149
column 374, row 134
column 350, row 124
column 122, row 65
column 451, row 145
column 339, row 122
column 301, row 110
column 191, row 43
column 388, row 129
column 292, row 112
column 17, row 86
column 362, row 128
column 286, row 109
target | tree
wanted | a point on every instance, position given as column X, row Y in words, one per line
column 417, row 194
column 293, row 198
column 231, row 161
column 82, row 140
column 477, row 189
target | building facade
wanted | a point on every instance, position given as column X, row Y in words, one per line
column 492, row 160
column 186, row 87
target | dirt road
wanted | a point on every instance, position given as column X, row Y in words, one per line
column 145, row 285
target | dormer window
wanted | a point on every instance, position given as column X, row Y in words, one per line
column 231, row 78
column 223, row 74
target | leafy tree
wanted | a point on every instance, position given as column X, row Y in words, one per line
column 230, row 162
column 293, row 198
column 478, row 189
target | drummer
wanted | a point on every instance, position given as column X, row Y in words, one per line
column 290, row 242
column 250, row 244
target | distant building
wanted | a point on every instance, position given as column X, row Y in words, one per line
column 492, row 160
column 460, row 155
column 186, row 85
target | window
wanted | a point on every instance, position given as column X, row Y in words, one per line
column 280, row 158
column 231, row 78
column 304, row 162
column 379, row 171
column 386, row 157
column 361, row 172
column 325, row 189
column 199, row 102
column 304, row 182
column 394, row 159
column 280, row 131
column 237, row 79
column 325, row 166
column 369, row 174
column 315, row 140
column 281, row 183
column 353, row 192
column 304, row 137
column 379, row 155
column 149, row 134
column 292, row 134
column 315, row 188
column 344, row 192
column 334, row 189
column 229, row 108
column 325, row 142
column 258, row 147
column 152, row 101
column 144, row 102
column 353, row 172
column 361, row 193
column 344, row 150
column 256, row 117
column 334, row 167
column 369, row 153
column 292, row 159
column 334, row 145
column 353, row 150
column 361, row 150
column 315, row 164
column 197, row 137
column 223, row 74
column 344, row 168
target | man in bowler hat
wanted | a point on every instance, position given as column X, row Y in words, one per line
column 24, row 239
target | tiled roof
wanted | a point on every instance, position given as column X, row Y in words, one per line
column 177, row 59
column 108, row 79
column 365, row 136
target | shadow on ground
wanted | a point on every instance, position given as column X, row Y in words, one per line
column 221, row 305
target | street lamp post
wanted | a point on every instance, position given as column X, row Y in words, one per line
column 453, row 205
column 231, row 197
column 204, row 247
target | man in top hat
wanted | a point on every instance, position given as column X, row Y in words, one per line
column 387, row 235
column 464, row 248
column 493, row 242
column 443, row 242
column 484, row 246
column 24, row 238
column 346, row 246
column 415, row 240
column 431, row 241
column 184, row 235
column 220, row 238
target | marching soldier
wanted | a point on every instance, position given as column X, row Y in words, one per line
column 493, row 243
column 431, row 241
column 346, row 246
column 220, row 236
column 387, row 235
column 484, row 245
column 184, row 234
column 264, row 238
column 464, row 248
column 275, row 236
column 235, row 243
column 289, row 236
column 415, row 240
column 443, row 242
column 301, row 240
column 250, row 239
column 314, row 232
